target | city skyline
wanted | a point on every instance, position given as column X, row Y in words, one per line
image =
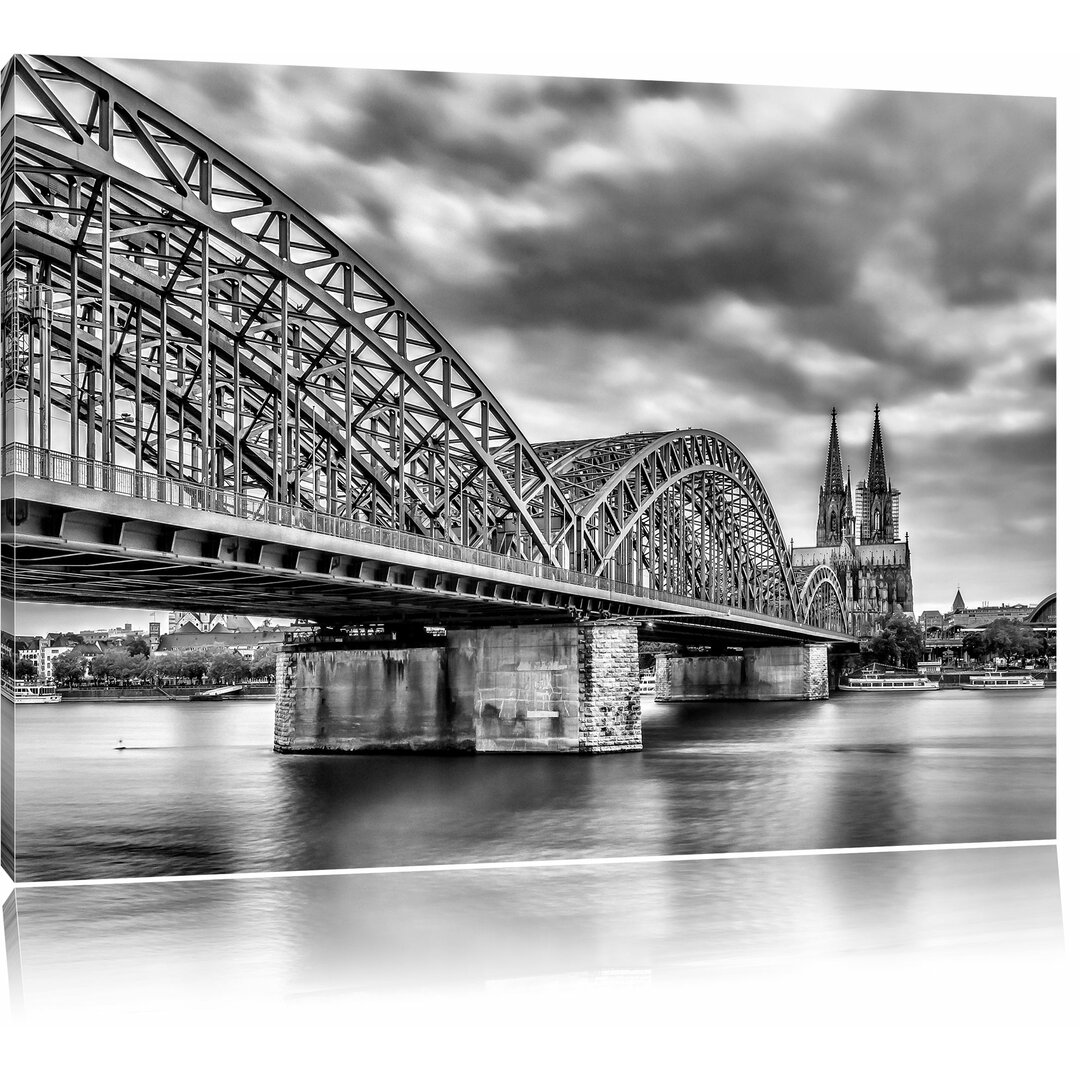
column 616, row 256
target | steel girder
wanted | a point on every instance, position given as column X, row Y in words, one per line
column 168, row 309
column 682, row 511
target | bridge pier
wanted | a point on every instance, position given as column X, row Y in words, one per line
column 571, row 688
column 777, row 673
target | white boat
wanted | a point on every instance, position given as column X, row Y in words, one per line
column 648, row 682
column 875, row 679
column 31, row 693
column 1002, row 681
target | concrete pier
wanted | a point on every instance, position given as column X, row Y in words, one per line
column 529, row 689
column 787, row 673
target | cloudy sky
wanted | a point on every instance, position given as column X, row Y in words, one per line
column 617, row 256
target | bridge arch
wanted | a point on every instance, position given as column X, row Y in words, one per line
column 821, row 600
column 1045, row 610
column 203, row 325
column 681, row 511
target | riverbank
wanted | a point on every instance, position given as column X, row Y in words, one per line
column 158, row 694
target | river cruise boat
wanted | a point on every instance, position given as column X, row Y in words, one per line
column 877, row 679
column 1000, row 680
column 648, row 682
column 31, row 693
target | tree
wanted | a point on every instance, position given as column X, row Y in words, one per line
column 25, row 669
column 229, row 667
column 118, row 665
column 264, row 662
column 1006, row 639
column 1021, row 642
column 139, row 647
column 194, row 663
column 898, row 642
column 165, row 665
column 68, row 667
column 975, row 644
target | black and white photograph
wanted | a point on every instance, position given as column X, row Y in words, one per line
column 480, row 530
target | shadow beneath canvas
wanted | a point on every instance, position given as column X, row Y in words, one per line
column 740, row 928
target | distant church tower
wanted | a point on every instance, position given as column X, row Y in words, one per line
column 880, row 501
column 874, row 566
column 834, row 496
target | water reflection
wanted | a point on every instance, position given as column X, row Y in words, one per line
column 176, row 947
column 201, row 792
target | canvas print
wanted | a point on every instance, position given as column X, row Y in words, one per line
column 406, row 467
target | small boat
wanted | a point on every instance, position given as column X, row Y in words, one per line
column 1002, row 681
column 877, row 679
column 31, row 693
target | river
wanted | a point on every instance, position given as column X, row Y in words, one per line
column 199, row 791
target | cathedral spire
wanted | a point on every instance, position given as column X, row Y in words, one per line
column 876, row 477
column 880, row 513
column 831, row 495
column 834, row 468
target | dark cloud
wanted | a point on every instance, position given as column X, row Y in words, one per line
column 634, row 248
column 223, row 88
column 487, row 130
column 415, row 118
column 863, row 331
column 583, row 98
column 1045, row 372
column 978, row 173
column 1019, row 450
column 388, row 116
column 852, row 326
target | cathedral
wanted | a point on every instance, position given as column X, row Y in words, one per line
column 859, row 538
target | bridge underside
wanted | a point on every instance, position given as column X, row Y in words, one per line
column 69, row 545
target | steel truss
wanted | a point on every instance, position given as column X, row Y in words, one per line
column 684, row 512
column 168, row 311
column 206, row 327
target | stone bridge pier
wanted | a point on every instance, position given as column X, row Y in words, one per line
column 776, row 673
column 571, row 688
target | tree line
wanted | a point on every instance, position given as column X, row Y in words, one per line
column 1010, row 640
column 899, row 642
column 215, row 663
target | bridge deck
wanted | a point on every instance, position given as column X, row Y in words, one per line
column 87, row 545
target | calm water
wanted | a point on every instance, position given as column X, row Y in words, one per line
column 200, row 791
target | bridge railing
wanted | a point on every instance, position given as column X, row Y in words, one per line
column 19, row 459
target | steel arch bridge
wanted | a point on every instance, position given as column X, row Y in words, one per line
column 176, row 329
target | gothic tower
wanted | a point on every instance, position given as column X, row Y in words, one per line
column 879, row 500
column 861, row 541
column 833, row 497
